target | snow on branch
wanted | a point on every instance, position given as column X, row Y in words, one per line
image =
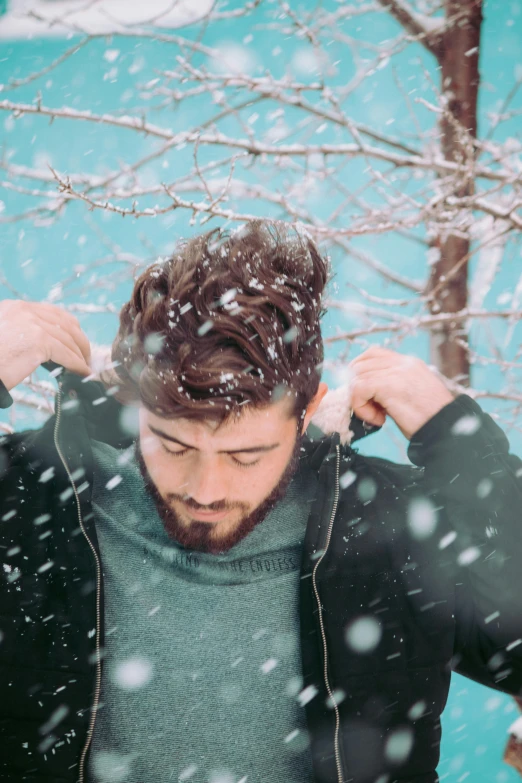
column 424, row 29
column 140, row 125
column 39, row 17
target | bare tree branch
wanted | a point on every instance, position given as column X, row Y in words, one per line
column 424, row 29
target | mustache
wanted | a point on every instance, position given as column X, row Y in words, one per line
column 193, row 507
column 204, row 509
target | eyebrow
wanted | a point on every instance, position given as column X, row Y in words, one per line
column 250, row 450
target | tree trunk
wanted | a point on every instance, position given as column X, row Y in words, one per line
column 458, row 58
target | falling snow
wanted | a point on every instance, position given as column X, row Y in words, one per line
column 133, row 673
column 363, row 635
column 222, row 127
column 422, row 518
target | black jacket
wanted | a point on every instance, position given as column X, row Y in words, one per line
column 408, row 572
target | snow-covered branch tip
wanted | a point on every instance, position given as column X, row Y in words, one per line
column 424, row 29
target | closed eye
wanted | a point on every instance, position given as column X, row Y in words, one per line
column 236, row 461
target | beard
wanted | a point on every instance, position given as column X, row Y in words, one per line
column 198, row 536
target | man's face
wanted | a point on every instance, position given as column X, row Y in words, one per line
column 239, row 472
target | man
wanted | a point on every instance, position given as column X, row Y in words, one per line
column 195, row 590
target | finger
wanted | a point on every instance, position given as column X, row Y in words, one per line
column 373, row 350
column 368, row 382
column 62, row 354
column 377, row 359
column 372, row 413
column 58, row 314
column 366, row 391
column 53, row 315
column 60, row 336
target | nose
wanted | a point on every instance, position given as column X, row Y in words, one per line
column 204, row 486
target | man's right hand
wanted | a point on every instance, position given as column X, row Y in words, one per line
column 35, row 332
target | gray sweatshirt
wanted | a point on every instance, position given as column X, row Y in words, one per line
column 202, row 663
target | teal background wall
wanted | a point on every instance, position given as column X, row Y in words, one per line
column 36, row 255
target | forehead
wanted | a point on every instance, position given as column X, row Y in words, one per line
column 260, row 419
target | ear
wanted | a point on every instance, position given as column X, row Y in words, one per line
column 313, row 405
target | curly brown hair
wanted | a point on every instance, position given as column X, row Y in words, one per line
column 232, row 317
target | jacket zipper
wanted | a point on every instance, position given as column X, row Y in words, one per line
column 97, row 688
column 321, row 624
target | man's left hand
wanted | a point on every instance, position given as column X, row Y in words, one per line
column 389, row 383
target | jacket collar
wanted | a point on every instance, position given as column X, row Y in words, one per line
column 101, row 411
